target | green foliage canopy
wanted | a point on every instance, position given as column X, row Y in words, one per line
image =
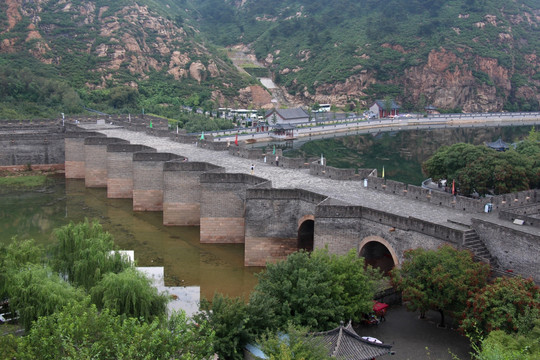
column 80, row 331
column 508, row 304
column 316, row 290
column 439, row 279
column 83, row 252
column 129, row 293
column 296, row 345
column 499, row 345
column 484, row 170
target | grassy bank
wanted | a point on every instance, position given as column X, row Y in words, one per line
column 21, row 182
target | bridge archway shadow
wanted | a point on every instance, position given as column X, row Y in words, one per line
column 378, row 253
column 306, row 231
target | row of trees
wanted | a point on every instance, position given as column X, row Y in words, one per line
column 483, row 170
column 492, row 314
column 82, row 299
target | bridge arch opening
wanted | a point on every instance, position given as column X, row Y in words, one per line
column 378, row 253
column 306, row 232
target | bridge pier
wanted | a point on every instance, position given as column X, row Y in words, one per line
column 74, row 153
column 223, row 206
column 120, row 169
column 272, row 217
column 95, row 157
column 148, row 180
column 182, row 191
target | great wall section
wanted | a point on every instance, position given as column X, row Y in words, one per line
column 277, row 209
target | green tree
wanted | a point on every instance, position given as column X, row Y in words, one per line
column 227, row 318
column 439, row 279
column 80, row 331
column 499, row 345
column 35, row 291
column 508, row 304
column 296, row 345
column 83, row 252
column 13, row 257
column 129, row 293
column 316, row 290
column 123, row 97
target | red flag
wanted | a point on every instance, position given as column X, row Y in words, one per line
column 453, row 187
column 236, row 140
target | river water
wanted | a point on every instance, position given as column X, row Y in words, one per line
column 212, row 268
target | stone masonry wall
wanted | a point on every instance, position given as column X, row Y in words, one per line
column 342, row 228
column 148, row 180
column 272, row 217
column 515, row 250
column 74, row 153
column 182, row 191
column 31, row 148
column 223, row 199
column 120, row 169
column 95, row 160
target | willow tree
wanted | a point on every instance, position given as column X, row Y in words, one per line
column 35, row 291
column 13, row 257
column 83, row 253
column 129, row 293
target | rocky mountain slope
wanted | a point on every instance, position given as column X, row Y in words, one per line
column 127, row 55
column 121, row 49
column 469, row 55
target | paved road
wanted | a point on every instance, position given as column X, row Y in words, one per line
column 351, row 192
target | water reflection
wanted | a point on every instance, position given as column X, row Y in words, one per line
column 213, row 268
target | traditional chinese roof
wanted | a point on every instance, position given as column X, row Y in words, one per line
column 282, row 126
column 382, row 105
column 498, row 145
column 344, row 343
column 288, row 114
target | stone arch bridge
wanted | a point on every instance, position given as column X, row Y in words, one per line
column 279, row 210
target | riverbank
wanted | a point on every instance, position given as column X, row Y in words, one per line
column 27, row 177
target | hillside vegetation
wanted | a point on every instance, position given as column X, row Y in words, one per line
column 125, row 56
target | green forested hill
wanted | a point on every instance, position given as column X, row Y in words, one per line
column 126, row 55
column 332, row 41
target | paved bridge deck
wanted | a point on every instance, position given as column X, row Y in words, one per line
column 351, row 192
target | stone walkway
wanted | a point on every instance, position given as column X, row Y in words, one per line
column 351, row 192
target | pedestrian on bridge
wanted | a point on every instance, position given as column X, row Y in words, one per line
column 252, row 168
column 277, row 160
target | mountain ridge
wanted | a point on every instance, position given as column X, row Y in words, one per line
column 459, row 55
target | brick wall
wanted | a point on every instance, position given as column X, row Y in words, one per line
column 182, row 192
column 95, row 160
column 272, row 221
column 74, row 153
column 260, row 250
column 515, row 250
column 120, row 169
column 148, row 180
column 223, row 198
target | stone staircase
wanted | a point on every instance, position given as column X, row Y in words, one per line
column 472, row 242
